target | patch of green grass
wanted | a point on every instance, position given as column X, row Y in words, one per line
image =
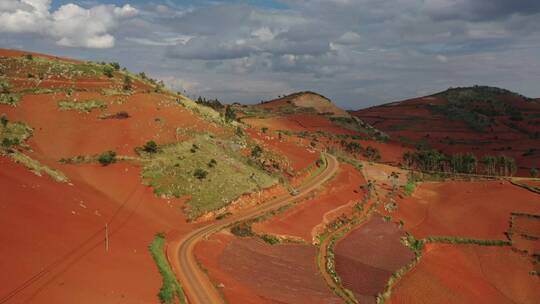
column 82, row 106
column 36, row 167
column 409, row 188
column 170, row 290
column 12, row 137
column 171, row 172
column 116, row 92
column 42, row 68
column 13, row 133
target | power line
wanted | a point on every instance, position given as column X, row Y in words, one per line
column 54, row 264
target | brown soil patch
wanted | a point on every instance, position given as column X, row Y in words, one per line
column 301, row 220
column 280, row 273
column 368, row 256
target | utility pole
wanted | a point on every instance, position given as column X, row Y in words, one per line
column 107, row 237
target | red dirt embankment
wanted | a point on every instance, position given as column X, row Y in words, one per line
column 292, row 147
column 479, row 210
column 59, row 228
column 468, row 274
column 301, row 219
column 252, row 271
column 368, row 256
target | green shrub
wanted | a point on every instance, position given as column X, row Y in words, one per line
column 534, row 172
column 150, row 147
column 270, row 239
column 212, row 163
column 108, row 71
column 230, row 115
column 256, row 151
column 107, row 158
column 200, row 174
column 242, row 230
column 4, row 120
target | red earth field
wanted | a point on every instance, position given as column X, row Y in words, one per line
column 468, row 274
column 368, row 256
column 307, row 219
column 479, row 210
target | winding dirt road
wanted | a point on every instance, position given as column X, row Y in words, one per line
column 197, row 286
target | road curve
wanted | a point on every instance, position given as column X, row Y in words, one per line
column 197, row 286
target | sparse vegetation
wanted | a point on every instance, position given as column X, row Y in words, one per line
column 459, row 240
column 170, row 291
column 115, row 92
column 10, row 99
column 36, row 167
column 214, row 104
column 476, row 106
column 12, row 138
column 173, row 171
column 81, row 106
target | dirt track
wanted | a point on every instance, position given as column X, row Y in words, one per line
column 195, row 283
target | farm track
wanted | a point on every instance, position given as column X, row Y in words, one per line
column 197, row 286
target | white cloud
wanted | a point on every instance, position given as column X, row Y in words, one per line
column 70, row 25
column 442, row 58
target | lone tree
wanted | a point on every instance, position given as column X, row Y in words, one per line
column 107, row 158
column 534, row 172
column 230, row 115
column 151, row 147
column 127, row 83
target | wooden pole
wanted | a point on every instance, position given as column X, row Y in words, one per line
column 106, row 237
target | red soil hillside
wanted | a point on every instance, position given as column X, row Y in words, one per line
column 54, row 212
column 312, row 100
column 482, row 120
column 304, row 111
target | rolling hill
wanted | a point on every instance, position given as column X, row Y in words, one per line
column 482, row 120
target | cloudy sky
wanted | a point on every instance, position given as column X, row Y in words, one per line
column 356, row 52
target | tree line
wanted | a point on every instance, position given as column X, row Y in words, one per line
column 468, row 163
